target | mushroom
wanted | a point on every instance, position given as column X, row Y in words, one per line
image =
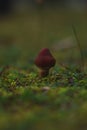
column 44, row 62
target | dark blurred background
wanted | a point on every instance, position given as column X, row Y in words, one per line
column 7, row 6
column 26, row 26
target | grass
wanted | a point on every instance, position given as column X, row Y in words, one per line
column 24, row 103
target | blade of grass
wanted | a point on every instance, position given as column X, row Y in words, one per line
column 79, row 47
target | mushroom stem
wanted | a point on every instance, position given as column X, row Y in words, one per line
column 44, row 73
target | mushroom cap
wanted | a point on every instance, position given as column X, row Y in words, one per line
column 45, row 60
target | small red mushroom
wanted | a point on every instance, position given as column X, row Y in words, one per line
column 45, row 61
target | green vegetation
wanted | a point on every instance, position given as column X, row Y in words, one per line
column 25, row 104
column 58, row 101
